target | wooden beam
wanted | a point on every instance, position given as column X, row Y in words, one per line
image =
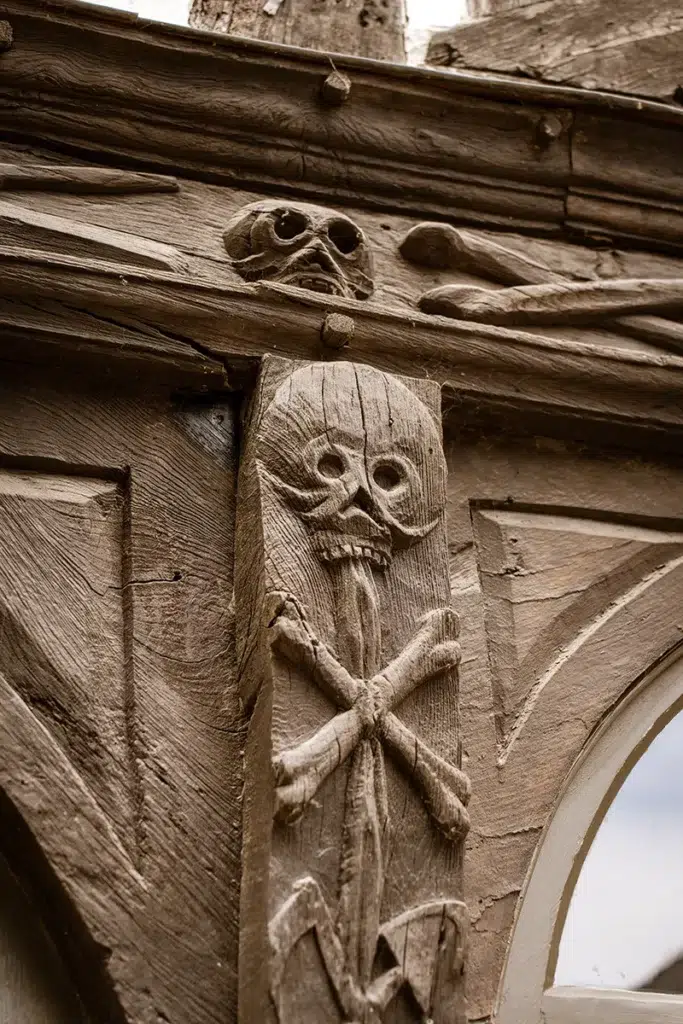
column 514, row 153
column 467, row 359
column 620, row 45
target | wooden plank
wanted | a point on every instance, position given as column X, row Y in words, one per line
column 538, row 526
column 29, row 229
column 602, row 1006
column 46, row 332
column 81, row 180
column 593, row 44
column 484, row 8
column 268, row 318
column 166, row 904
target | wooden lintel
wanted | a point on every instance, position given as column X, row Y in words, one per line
column 238, row 322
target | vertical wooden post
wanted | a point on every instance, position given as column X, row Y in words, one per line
column 367, row 28
column 354, row 797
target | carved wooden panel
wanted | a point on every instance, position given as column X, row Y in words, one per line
column 120, row 733
column 62, row 624
column 355, row 801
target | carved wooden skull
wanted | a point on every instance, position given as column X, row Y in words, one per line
column 357, row 457
column 300, row 244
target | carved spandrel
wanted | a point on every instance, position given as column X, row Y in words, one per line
column 350, row 657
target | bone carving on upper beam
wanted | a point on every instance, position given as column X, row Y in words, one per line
column 444, row 247
column 559, row 303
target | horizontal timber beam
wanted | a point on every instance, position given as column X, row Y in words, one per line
column 518, row 155
column 238, row 323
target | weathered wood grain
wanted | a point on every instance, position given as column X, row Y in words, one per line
column 52, row 333
column 432, row 143
column 443, row 246
column 60, row 551
column 26, row 228
column 557, row 302
column 537, row 528
column 588, row 1006
column 81, row 180
column 269, row 318
column 483, row 8
column 366, row 28
column 594, row 44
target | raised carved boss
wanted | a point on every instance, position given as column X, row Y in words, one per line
column 350, row 657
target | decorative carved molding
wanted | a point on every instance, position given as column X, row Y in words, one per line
column 31, row 229
column 546, row 297
column 349, row 653
column 303, row 245
column 434, row 143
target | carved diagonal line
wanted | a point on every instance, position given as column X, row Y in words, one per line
column 36, row 681
column 444, row 788
column 29, row 751
column 301, row 771
column 306, row 910
column 571, row 649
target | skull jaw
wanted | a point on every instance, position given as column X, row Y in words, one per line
column 312, row 268
column 316, row 270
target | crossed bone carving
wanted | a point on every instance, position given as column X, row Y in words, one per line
column 366, row 711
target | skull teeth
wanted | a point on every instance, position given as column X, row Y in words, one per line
column 339, row 552
column 336, row 547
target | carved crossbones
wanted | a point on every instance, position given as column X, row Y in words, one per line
column 366, row 711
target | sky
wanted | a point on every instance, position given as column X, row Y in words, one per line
column 625, row 921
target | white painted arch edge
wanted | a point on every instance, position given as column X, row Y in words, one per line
column 592, row 785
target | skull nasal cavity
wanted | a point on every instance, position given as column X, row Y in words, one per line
column 364, row 501
column 290, row 224
column 344, row 235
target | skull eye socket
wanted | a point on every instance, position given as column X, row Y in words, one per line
column 289, row 224
column 344, row 236
column 387, row 476
column 331, row 465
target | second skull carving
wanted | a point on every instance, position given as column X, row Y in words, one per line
column 300, row 244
